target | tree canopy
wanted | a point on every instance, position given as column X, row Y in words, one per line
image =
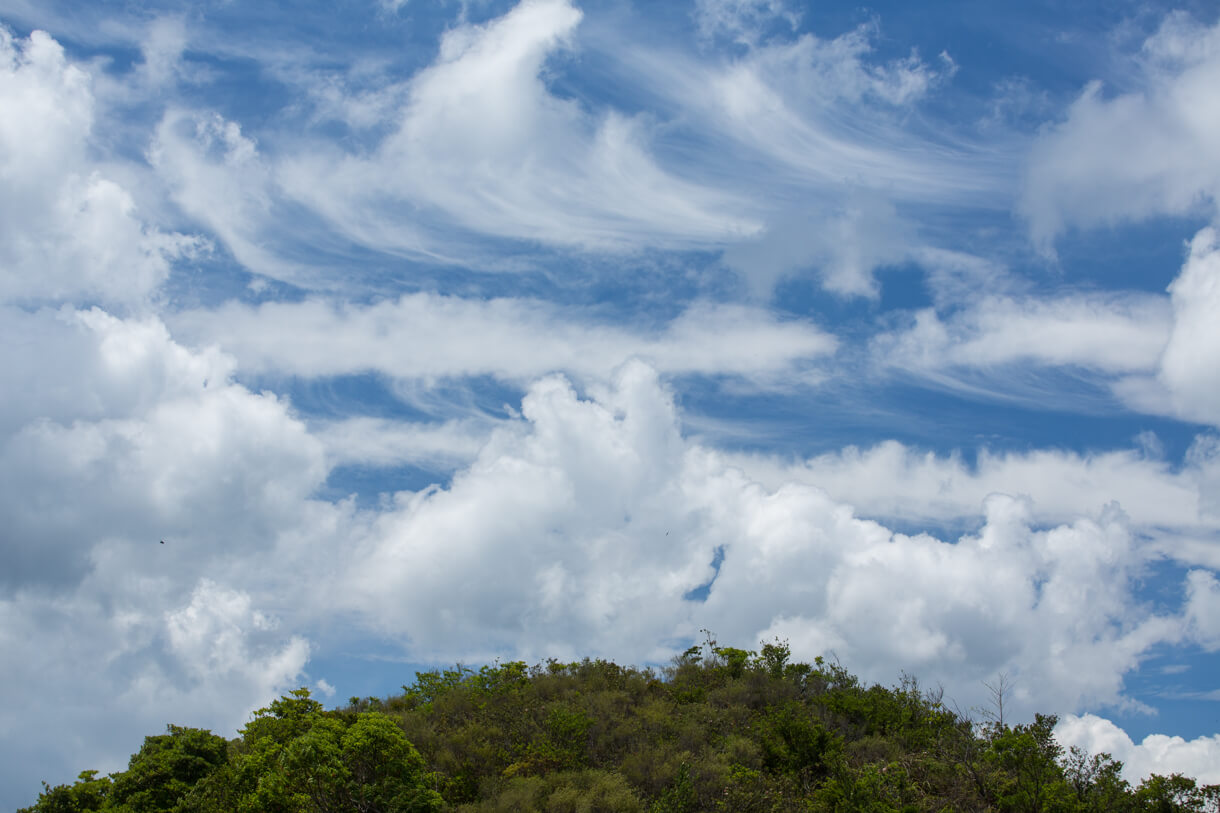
column 720, row 729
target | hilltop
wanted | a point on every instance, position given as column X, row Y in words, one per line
column 720, row 729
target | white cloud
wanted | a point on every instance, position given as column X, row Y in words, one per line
column 1049, row 607
column 486, row 145
column 1152, row 150
column 578, row 529
column 1157, row 354
column 67, row 229
column 844, row 244
column 217, row 176
column 743, row 21
column 162, row 48
column 214, row 638
column 1190, row 367
column 580, row 526
column 824, row 110
column 123, row 438
column 593, row 505
column 1111, row 333
column 1156, row 753
column 483, row 144
column 103, row 668
column 129, row 436
column 801, row 154
column 514, row 339
column 894, row 482
column 566, row 517
column 822, row 134
column 1203, row 608
column 367, row 441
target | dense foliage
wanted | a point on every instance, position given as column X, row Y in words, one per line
column 721, row 729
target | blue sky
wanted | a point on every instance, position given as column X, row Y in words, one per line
column 474, row 330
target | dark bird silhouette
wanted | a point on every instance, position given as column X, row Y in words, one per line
column 162, row 541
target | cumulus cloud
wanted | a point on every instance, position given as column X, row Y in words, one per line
column 216, row 637
column 152, row 656
column 598, row 519
column 130, row 436
column 68, row 230
column 123, row 438
column 513, row 339
column 1203, row 608
column 1156, row 753
column 1150, row 150
column 587, row 523
column 570, row 513
column 580, row 528
column 1190, row 367
column 1051, row 607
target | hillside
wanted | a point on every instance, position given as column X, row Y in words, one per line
column 720, row 729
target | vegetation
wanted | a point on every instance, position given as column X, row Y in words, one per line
column 721, row 729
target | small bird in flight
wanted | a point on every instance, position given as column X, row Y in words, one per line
column 162, row 541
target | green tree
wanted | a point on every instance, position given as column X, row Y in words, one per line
column 166, row 768
column 1030, row 778
column 1176, row 794
column 294, row 757
column 87, row 795
column 1097, row 781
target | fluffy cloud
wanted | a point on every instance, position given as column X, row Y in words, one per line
column 589, row 523
column 220, row 636
column 569, row 512
column 1154, row 149
column 1203, row 608
column 1156, row 753
column 514, row 339
column 581, row 528
column 151, row 656
column 122, row 438
column 67, row 229
column 1050, row 607
column 128, row 436
column 598, row 519
column 1190, row 367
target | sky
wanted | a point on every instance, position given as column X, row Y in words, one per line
column 426, row 333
